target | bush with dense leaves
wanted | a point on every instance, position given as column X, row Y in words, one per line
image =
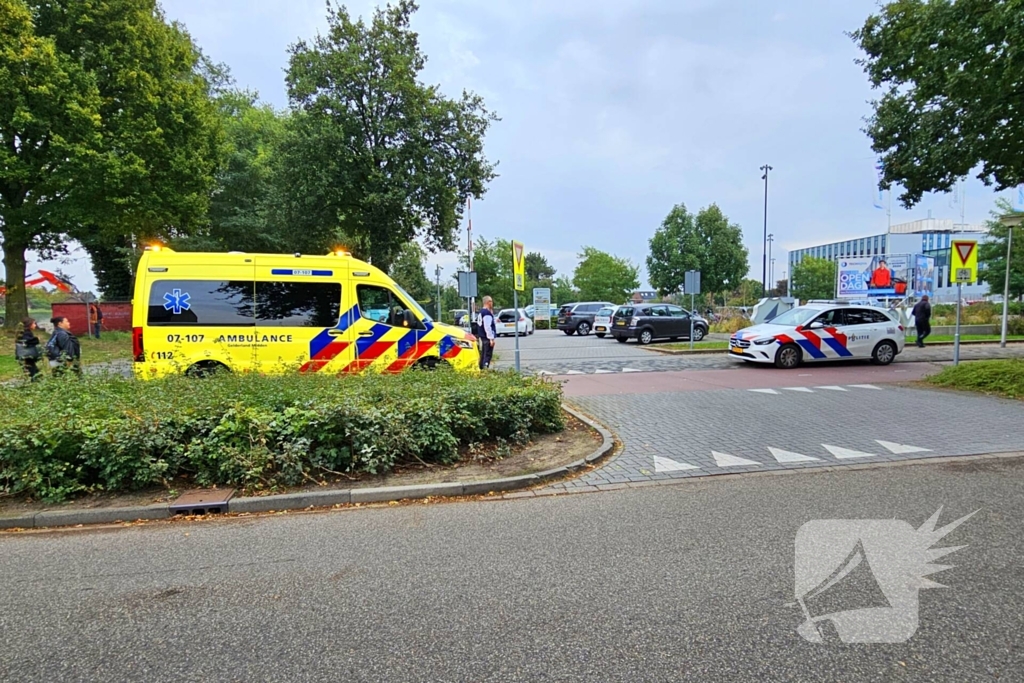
column 1003, row 377
column 63, row 437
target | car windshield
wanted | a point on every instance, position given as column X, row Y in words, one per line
column 794, row 317
column 606, row 311
column 424, row 316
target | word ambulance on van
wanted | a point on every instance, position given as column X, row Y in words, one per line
column 195, row 313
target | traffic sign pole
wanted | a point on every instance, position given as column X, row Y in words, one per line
column 956, row 335
column 691, row 321
column 515, row 303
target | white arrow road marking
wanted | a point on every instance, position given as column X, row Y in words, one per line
column 574, row 372
column 865, row 386
column 899, row 448
column 844, row 453
column 832, row 387
column 789, row 456
column 602, row 372
column 544, row 372
column 631, row 370
column 726, row 460
column 763, row 391
column 803, row 389
column 668, row 465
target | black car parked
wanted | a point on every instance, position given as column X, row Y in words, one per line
column 579, row 318
column 647, row 322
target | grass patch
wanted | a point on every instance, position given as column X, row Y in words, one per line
column 66, row 437
column 966, row 337
column 111, row 346
column 1001, row 377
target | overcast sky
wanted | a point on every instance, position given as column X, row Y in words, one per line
column 615, row 110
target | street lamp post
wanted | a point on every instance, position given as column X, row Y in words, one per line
column 437, row 273
column 1010, row 221
column 764, row 248
column 770, row 283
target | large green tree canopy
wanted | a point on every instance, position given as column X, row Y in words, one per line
column 599, row 276
column 707, row 242
column 379, row 158
column 952, row 81
column 814, row 278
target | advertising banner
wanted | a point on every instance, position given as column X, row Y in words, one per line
column 854, row 275
column 924, row 276
column 875, row 277
column 541, row 303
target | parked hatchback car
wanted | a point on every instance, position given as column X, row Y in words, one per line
column 578, row 318
column 603, row 321
column 647, row 322
column 506, row 322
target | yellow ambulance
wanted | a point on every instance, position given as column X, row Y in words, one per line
column 194, row 313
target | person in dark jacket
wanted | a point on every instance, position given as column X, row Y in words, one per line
column 26, row 349
column 63, row 349
column 922, row 313
column 488, row 333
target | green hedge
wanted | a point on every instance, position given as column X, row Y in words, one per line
column 61, row 438
column 1003, row 377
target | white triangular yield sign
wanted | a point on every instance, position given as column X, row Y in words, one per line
column 900, row 448
column 517, row 249
column 789, row 456
column 669, row 465
column 844, row 453
column 726, row 460
column 964, row 249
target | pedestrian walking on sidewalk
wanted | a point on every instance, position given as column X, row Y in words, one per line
column 26, row 349
column 922, row 313
column 488, row 333
column 63, row 350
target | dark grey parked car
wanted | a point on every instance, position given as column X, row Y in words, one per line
column 579, row 318
column 647, row 322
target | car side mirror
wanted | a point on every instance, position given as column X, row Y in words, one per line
column 817, row 325
column 410, row 320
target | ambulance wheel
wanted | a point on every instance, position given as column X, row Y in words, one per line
column 884, row 353
column 431, row 364
column 205, row 368
column 788, row 357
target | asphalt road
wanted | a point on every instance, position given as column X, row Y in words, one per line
column 551, row 352
column 692, row 581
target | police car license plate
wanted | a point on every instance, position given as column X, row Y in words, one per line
column 736, row 349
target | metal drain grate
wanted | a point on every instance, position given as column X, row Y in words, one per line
column 201, row 502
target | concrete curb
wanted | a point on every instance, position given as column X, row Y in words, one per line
column 303, row 500
column 683, row 352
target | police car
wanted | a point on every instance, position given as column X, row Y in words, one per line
column 821, row 331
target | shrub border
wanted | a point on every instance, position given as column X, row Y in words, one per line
column 301, row 501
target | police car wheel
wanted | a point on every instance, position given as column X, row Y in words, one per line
column 884, row 353
column 788, row 357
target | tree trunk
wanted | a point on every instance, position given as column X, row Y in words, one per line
column 17, row 299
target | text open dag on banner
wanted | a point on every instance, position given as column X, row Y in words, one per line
column 963, row 261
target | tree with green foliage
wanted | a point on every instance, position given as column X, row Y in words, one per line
column 706, row 242
column 952, row 81
column 161, row 136
column 814, row 278
column 50, row 136
column 781, row 288
column 378, row 158
column 245, row 211
column 599, row 276
column 992, row 253
column 538, row 269
column 407, row 271
column 563, row 291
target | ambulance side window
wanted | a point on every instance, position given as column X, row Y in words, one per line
column 380, row 305
column 202, row 303
column 298, row 304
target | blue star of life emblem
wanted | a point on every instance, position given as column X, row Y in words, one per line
column 176, row 302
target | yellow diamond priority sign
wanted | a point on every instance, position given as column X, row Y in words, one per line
column 519, row 266
column 963, row 261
